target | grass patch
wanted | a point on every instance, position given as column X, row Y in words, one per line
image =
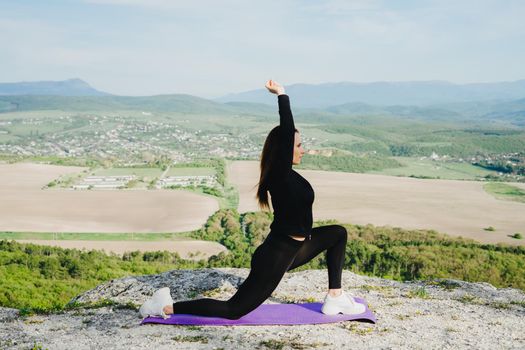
column 420, row 292
column 290, row 299
column 368, row 287
column 517, row 235
column 102, row 303
column 212, row 293
column 273, row 344
column 505, row 192
column 445, row 284
column 358, row 329
column 278, row 344
column 140, row 172
column 470, row 299
column 191, row 339
column 230, row 199
column 38, row 346
column 402, row 317
column 520, row 303
column 500, row 305
column 191, row 171
column 27, row 311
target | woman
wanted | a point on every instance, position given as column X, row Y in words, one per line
column 291, row 242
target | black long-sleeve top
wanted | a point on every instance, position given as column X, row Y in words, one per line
column 291, row 194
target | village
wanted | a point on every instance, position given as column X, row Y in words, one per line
column 126, row 138
column 141, row 138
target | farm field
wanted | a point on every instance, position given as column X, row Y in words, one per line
column 26, row 207
column 457, row 208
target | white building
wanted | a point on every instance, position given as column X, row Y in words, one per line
column 196, row 180
column 104, row 182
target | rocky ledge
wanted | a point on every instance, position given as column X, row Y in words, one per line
column 437, row 314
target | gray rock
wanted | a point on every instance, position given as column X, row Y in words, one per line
column 184, row 284
column 437, row 314
column 8, row 314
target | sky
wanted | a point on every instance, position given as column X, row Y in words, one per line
column 211, row 48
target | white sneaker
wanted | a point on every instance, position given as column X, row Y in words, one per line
column 154, row 306
column 342, row 304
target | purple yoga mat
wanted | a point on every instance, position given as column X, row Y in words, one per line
column 268, row 314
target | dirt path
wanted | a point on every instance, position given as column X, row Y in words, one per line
column 186, row 249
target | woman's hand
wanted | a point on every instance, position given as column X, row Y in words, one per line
column 274, row 87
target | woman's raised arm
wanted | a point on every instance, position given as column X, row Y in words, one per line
column 283, row 164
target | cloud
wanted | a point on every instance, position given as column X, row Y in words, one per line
column 30, row 40
column 144, row 3
column 189, row 6
column 344, row 7
column 209, row 47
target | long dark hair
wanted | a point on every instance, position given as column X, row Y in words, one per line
column 269, row 154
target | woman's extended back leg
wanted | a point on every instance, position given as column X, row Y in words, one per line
column 269, row 264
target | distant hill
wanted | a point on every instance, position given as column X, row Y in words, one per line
column 510, row 111
column 71, row 87
column 175, row 103
column 357, row 108
column 420, row 93
column 160, row 103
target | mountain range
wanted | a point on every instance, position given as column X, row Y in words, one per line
column 414, row 93
column 426, row 100
column 70, row 87
column 419, row 93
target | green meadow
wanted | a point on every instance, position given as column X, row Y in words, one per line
column 191, row 171
column 505, row 191
column 140, row 172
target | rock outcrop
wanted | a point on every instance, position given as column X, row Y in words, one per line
column 438, row 314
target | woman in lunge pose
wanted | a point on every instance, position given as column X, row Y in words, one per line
column 291, row 242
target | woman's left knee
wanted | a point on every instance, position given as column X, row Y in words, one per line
column 341, row 231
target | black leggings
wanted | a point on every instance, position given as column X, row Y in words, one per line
column 276, row 255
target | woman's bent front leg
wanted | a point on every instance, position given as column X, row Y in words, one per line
column 331, row 238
